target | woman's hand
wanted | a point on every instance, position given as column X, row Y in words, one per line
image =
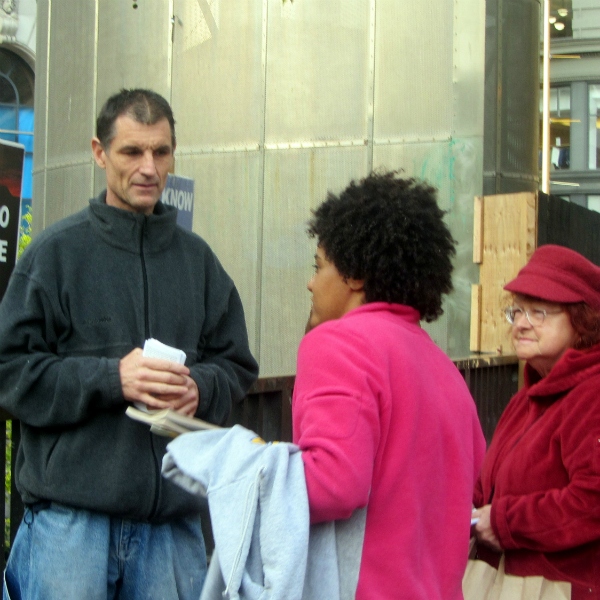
column 483, row 528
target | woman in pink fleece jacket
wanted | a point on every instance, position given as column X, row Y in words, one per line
column 383, row 417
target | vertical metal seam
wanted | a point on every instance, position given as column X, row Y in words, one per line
column 261, row 183
column 95, row 84
column 454, row 117
column 581, row 87
column 170, row 49
column 47, row 94
column 545, row 183
column 585, row 118
column 371, row 105
column 499, row 78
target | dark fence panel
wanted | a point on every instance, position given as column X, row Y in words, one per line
column 492, row 382
column 267, row 409
column 567, row 224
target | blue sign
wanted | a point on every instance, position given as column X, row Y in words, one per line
column 179, row 192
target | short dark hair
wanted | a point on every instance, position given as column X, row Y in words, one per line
column 144, row 106
column 389, row 232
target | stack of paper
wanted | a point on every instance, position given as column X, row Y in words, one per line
column 155, row 349
column 167, row 422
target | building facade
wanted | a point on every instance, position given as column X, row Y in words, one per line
column 575, row 101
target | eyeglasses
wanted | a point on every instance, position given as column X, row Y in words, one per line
column 535, row 316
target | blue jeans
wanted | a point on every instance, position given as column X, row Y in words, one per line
column 62, row 553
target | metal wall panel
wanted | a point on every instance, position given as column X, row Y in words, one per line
column 455, row 168
column 39, row 192
column 133, row 47
column 71, row 82
column 218, row 75
column 520, row 105
column 414, row 70
column 295, row 182
column 468, row 69
column 511, row 126
column 64, row 118
column 41, row 105
column 227, row 214
column 218, row 101
column 71, row 188
column 276, row 103
column 318, row 71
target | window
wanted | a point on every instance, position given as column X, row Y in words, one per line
column 593, row 203
column 560, row 127
column 561, row 18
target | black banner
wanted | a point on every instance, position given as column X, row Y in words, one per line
column 11, row 174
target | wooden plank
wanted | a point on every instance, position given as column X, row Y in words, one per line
column 509, row 227
column 475, row 339
column 478, row 230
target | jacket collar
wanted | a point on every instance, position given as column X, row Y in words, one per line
column 408, row 313
column 573, row 367
column 128, row 230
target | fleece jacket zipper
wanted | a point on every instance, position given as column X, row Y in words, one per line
column 148, row 334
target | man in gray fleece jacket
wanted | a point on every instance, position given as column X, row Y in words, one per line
column 100, row 521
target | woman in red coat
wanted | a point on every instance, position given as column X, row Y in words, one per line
column 538, row 495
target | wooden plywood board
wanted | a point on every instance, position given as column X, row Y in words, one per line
column 478, row 230
column 508, row 239
column 475, row 339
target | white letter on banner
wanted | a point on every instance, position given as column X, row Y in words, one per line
column 4, row 216
column 3, row 247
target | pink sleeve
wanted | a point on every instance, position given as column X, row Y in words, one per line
column 336, row 422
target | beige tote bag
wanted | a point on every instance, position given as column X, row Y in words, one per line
column 483, row 582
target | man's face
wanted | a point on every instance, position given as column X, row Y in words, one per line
column 137, row 163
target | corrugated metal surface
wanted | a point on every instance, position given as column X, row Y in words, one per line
column 511, row 96
column 454, row 167
column 41, row 104
column 295, row 181
column 71, row 84
column 564, row 223
column 277, row 103
column 133, row 46
column 414, row 55
column 491, row 387
column 317, row 71
column 73, row 183
column 218, row 75
column 227, row 214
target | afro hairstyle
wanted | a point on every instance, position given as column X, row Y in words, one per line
column 390, row 233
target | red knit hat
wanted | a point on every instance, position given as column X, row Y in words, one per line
column 558, row 274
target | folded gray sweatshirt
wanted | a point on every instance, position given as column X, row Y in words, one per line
column 264, row 546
